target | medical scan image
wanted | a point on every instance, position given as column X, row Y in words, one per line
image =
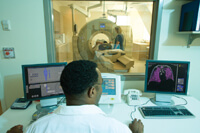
column 162, row 77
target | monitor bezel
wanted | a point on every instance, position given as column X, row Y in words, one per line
column 24, row 67
column 106, row 99
column 166, row 61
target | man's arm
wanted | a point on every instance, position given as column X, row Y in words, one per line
column 16, row 129
column 136, row 126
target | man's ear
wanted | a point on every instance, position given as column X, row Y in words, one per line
column 91, row 92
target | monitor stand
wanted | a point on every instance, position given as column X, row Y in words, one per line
column 106, row 108
column 47, row 104
column 162, row 100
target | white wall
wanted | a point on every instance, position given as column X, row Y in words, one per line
column 27, row 36
column 173, row 46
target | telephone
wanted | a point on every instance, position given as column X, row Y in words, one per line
column 133, row 96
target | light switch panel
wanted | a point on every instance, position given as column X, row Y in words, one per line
column 6, row 25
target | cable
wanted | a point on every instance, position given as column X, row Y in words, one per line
column 132, row 112
column 61, row 101
column 176, row 97
column 182, row 99
column 146, row 102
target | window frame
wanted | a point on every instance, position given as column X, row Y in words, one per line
column 154, row 38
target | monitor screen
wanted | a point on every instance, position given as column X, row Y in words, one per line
column 109, row 86
column 169, row 77
column 111, row 89
column 102, row 25
column 42, row 81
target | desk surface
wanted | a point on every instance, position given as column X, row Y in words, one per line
column 122, row 113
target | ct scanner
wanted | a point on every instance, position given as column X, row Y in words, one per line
column 87, row 33
column 113, row 60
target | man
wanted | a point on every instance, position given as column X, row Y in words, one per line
column 81, row 82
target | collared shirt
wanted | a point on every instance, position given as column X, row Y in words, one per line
column 77, row 119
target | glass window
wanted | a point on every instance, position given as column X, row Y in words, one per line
column 114, row 34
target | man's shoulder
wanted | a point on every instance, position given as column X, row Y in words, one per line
column 39, row 124
column 98, row 121
column 43, row 119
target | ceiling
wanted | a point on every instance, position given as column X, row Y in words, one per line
column 109, row 5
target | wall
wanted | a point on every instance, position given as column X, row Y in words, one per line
column 173, row 46
column 27, row 36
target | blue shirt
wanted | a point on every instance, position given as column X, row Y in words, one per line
column 119, row 38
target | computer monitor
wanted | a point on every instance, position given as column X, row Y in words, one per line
column 42, row 82
column 111, row 86
column 166, row 78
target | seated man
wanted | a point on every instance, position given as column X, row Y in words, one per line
column 81, row 82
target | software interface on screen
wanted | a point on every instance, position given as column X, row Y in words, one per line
column 109, row 86
column 43, row 81
column 167, row 77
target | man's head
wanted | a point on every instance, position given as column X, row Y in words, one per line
column 81, row 82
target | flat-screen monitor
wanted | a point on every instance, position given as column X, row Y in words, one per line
column 111, row 89
column 190, row 16
column 166, row 77
column 42, row 81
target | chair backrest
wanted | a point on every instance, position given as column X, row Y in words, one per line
column 1, row 111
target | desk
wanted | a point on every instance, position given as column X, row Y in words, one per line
column 121, row 112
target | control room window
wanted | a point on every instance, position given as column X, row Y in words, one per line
column 86, row 30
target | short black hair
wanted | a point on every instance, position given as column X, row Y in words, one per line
column 77, row 76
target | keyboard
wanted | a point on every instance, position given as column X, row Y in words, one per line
column 165, row 112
